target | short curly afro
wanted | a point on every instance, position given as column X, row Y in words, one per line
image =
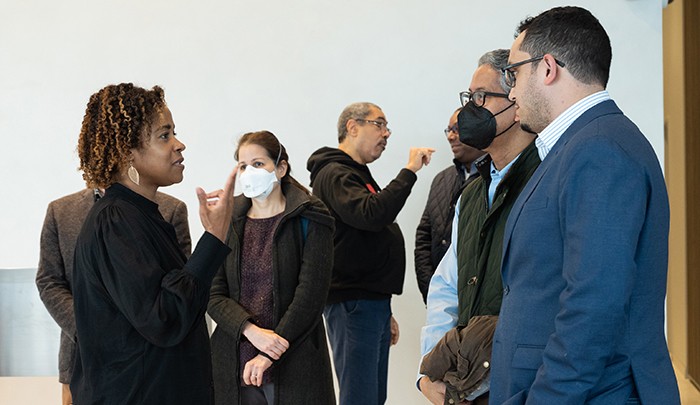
column 115, row 122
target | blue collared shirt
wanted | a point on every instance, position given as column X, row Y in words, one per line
column 549, row 136
column 496, row 177
column 472, row 170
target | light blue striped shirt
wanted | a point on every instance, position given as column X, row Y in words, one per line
column 496, row 177
column 549, row 136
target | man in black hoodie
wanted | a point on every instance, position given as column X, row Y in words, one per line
column 369, row 259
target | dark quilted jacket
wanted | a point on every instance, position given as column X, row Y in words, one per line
column 434, row 230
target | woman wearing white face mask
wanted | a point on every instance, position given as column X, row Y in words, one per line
column 269, row 346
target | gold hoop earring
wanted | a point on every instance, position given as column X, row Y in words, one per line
column 133, row 174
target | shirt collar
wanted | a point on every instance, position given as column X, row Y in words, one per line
column 465, row 171
column 499, row 174
column 118, row 190
column 549, row 136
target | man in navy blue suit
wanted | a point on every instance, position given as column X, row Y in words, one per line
column 586, row 244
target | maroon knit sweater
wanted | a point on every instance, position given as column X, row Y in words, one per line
column 257, row 281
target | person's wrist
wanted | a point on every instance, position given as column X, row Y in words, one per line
column 248, row 328
column 267, row 356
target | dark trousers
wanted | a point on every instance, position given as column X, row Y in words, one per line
column 359, row 332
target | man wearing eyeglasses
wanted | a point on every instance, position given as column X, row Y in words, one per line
column 467, row 282
column 586, row 245
column 369, row 255
column 435, row 227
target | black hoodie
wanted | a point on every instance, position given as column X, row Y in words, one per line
column 370, row 257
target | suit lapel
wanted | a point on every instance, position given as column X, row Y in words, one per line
column 523, row 197
column 604, row 108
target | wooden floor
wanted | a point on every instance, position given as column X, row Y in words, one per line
column 689, row 394
column 47, row 391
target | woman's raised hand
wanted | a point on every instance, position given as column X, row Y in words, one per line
column 216, row 207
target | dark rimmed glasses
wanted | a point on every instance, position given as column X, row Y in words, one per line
column 478, row 97
column 382, row 125
column 509, row 75
column 451, row 129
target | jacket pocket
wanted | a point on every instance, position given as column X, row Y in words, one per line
column 528, row 357
column 535, row 204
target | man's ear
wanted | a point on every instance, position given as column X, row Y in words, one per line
column 552, row 69
column 352, row 127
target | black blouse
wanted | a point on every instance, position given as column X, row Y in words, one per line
column 139, row 307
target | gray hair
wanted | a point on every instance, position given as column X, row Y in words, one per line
column 497, row 59
column 353, row 111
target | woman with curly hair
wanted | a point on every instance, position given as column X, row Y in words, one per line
column 269, row 346
column 139, row 303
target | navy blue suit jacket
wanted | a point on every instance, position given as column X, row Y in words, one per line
column 584, row 268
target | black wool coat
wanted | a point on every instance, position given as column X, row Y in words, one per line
column 302, row 264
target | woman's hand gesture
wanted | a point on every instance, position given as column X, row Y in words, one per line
column 216, row 208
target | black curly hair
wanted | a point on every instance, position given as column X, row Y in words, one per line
column 115, row 122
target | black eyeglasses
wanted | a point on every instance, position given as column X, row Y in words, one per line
column 509, row 75
column 478, row 97
column 382, row 125
column 452, row 129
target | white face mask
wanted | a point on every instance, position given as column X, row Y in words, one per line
column 257, row 182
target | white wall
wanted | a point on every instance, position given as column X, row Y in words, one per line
column 229, row 67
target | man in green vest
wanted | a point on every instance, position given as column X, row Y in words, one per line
column 467, row 281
